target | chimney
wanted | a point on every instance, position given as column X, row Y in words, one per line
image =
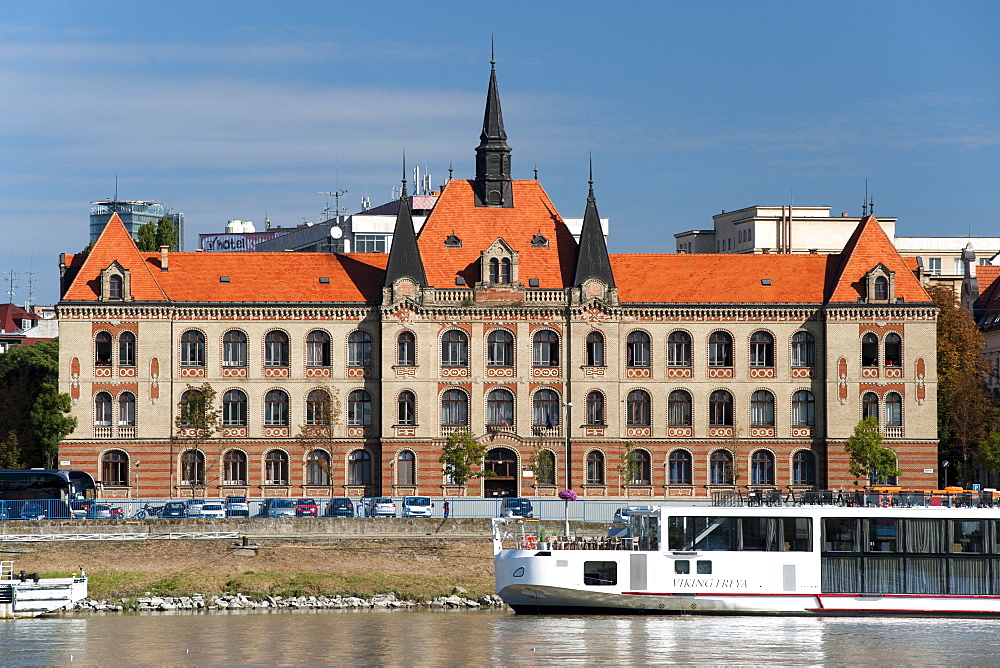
column 164, row 257
column 843, row 214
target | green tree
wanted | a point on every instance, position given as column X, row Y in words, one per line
column 198, row 421
column 462, row 455
column 967, row 416
column 153, row 235
column 31, row 405
column 869, row 458
column 10, row 453
column 543, row 463
column 628, row 467
column 319, row 431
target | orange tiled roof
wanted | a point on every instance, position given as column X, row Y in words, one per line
column 114, row 244
column 478, row 227
column 988, row 304
column 866, row 248
column 722, row 279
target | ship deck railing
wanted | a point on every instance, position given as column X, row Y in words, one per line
column 873, row 497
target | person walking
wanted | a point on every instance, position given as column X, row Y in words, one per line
column 447, row 509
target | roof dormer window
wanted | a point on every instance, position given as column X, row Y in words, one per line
column 452, row 241
column 115, row 284
column 880, row 285
column 499, row 263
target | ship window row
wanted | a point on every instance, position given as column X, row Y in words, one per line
column 719, row 349
column 276, row 349
column 911, row 536
column 935, row 574
column 104, row 345
column 891, row 349
column 770, row 534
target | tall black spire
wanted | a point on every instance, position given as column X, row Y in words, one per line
column 404, row 256
column 592, row 259
column 492, row 184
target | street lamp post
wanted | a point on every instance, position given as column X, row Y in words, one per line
column 569, row 478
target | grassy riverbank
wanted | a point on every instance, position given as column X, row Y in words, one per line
column 413, row 568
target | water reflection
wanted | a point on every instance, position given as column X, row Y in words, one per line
column 477, row 638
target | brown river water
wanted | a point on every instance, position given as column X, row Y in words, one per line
column 458, row 638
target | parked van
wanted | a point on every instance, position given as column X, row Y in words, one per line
column 516, row 507
column 417, row 506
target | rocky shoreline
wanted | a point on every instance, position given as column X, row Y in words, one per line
column 198, row 602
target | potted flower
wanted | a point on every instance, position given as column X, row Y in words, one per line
column 567, row 495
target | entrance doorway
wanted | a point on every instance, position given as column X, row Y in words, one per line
column 503, row 463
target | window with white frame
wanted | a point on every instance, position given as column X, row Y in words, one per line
column 369, row 243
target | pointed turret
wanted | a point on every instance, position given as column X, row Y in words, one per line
column 493, row 187
column 592, row 259
column 404, row 257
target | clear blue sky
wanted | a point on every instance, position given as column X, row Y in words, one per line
column 244, row 109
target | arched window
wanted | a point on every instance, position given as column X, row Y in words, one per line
column 679, row 349
column 762, row 409
column 679, row 409
column 761, row 349
column 803, row 409
column 720, row 468
column 406, row 349
column 318, row 468
column 500, row 409
column 494, row 270
column 318, row 348
column 102, row 349
column 637, row 349
column 405, row 468
column 116, row 287
column 720, row 409
column 318, row 408
column 637, row 411
column 500, row 348
column 234, row 468
column 454, row 408
column 234, row 348
column 276, row 348
column 192, row 467
column 869, row 406
column 114, row 468
column 869, row 350
column 595, row 467
column 881, row 288
column 804, row 468
column 359, row 468
column 505, row 270
column 192, row 348
column 680, row 467
column 720, row 349
column 276, row 409
column 893, row 410
column 595, row 349
column 276, row 468
column 545, row 409
column 803, row 350
column 126, row 409
column 102, row 409
column 359, row 349
column 234, row 408
column 406, row 408
column 762, row 468
column 595, row 408
column 545, row 348
column 359, row 408
column 454, row 348
column 893, row 350
column 639, row 468
column 126, row 349
column 192, row 408
column 546, row 471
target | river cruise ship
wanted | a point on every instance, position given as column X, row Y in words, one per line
column 27, row 595
column 780, row 560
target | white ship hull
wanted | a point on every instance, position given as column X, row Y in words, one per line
column 30, row 599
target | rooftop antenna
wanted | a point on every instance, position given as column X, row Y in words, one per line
column 402, row 193
column 366, row 201
column 31, row 283
column 12, row 284
column 114, row 202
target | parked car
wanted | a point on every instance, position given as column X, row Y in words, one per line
column 277, row 508
column 175, row 509
column 100, row 511
column 306, row 508
column 80, row 507
column 380, row 506
column 340, row 506
column 417, row 506
column 213, row 509
column 33, row 511
column 516, row 507
column 194, row 507
column 237, row 506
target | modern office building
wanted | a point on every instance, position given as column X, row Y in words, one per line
column 133, row 214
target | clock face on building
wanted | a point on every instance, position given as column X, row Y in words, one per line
column 336, row 232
